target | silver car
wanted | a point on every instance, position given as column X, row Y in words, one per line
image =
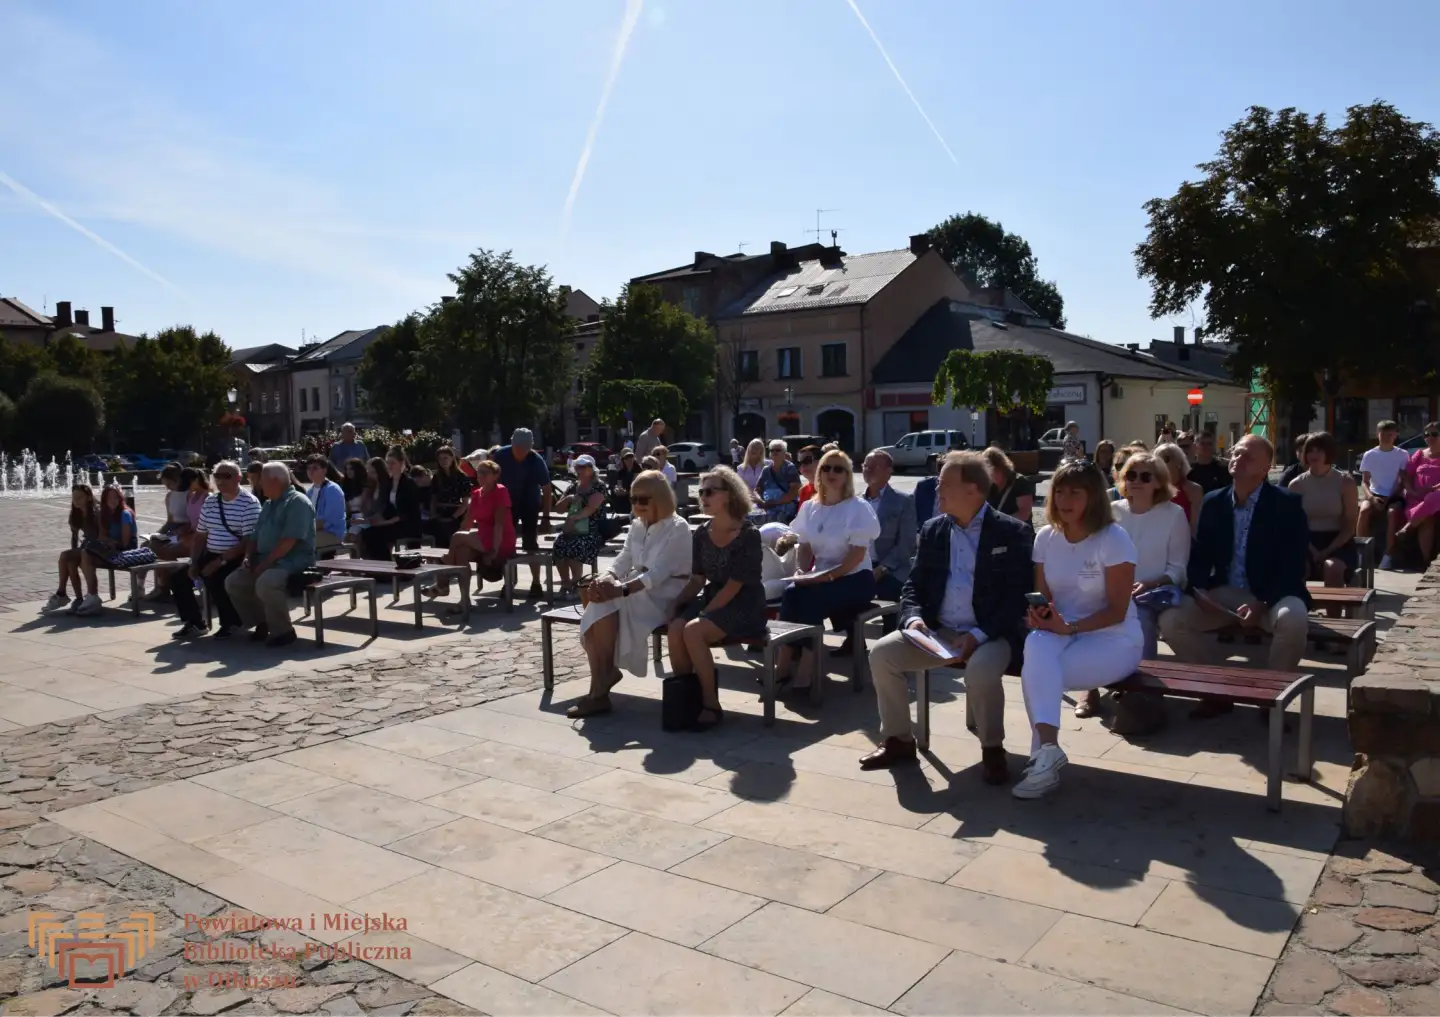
column 914, row 450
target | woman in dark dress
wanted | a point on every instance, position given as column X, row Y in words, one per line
column 624, row 477
column 450, row 497
column 727, row 557
column 1011, row 493
column 395, row 512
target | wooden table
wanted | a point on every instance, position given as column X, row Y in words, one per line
column 416, row 576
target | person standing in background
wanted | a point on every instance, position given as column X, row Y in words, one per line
column 1206, row 470
column 645, row 444
column 527, row 478
column 1074, row 448
column 347, row 448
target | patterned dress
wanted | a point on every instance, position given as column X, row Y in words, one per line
column 742, row 559
column 583, row 547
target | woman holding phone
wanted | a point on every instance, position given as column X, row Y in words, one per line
column 1085, row 633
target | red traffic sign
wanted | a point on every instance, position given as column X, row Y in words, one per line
column 1195, row 397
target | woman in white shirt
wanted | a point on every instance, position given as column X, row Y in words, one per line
column 753, row 464
column 636, row 595
column 1088, row 636
column 1158, row 528
column 836, row 578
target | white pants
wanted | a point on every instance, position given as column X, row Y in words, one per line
column 1055, row 664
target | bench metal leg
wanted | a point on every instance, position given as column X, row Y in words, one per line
column 547, row 652
column 319, row 618
column 655, row 643
column 112, row 584
column 374, row 615
column 419, row 620
column 507, row 591
column 353, row 602
column 134, row 594
column 767, row 676
column 817, row 680
column 1277, row 745
column 1305, row 752
column 859, row 659
column 922, row 709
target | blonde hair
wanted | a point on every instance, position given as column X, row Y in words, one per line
column 1163, row 490
column 754, row 453
column 848, row 490
column 1173, row 455
column 655, row 484
column 996, row 459
column 737, row 498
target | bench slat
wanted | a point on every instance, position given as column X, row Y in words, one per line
column 1240, row 693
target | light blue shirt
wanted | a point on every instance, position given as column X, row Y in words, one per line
column 1244, row 514
column 329, row 502
column 957, row 609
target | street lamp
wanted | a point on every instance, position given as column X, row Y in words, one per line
column 974, row 422
column 789, row 396
column 233, row 396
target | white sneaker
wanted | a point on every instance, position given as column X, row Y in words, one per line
column 1042, row 775
column 75, row 605
column 90, row 605
column 1386, row 564
column 56, row 602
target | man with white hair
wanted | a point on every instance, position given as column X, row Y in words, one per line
column 347, row 448
column 527, row 479
column 227, row 518
column 283, row 544
column 645, row 444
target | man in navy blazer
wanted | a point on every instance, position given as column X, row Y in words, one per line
column 972, row 571
column 1248, row 562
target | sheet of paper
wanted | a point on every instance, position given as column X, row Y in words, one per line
column 933, row 645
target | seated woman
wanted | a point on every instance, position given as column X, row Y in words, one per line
column 1161, row 535
column 252, row 479
column 624, row 477
column 1011, row 493
column 1422, row 493
column 1088, row 636
column 637, row 594
column 449, row 496
column 488, row 539
column 395, row 514
column 1187, row 494
column 778, row 488
column 196, row 486
column 752, row 464
column 84, row 527
column 836, row 577
column 1332, row 507
column 359, row 486
column 580, row 539
column 726, row 562
column 117, row 535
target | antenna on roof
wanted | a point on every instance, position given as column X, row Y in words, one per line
column 817, row 230
column 742, row 245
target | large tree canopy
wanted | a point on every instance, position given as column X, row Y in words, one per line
column 1301, row 237
column 977, row 247
column 643, row 337
column 399, row 391
column 166, row 387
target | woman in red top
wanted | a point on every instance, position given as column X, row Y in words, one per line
column 489, row 536
column 806, row 460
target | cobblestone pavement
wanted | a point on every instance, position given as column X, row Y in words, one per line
column 1367, row 943
column 43, row 867
column 35, row 532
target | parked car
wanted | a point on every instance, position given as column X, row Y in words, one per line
column 913, row 451
column 693, row 456
column 795, row 442
column 594, row 449
column 1413, row 444
column 140, row 462
column 182, row 456
column 91, row 463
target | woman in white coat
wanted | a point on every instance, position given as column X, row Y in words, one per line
column 637, row 594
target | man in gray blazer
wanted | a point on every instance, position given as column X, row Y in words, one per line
column 894, row 549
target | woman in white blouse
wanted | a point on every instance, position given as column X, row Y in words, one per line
column 1158, row 528
column 1088, row 635
column 636, row 595
column 836, row 577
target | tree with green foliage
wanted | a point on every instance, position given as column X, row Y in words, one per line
column 20, row 362
column 8, row 419
column 167, row 388
column 1001, row 379
column 644, row 338
column 979, row 248
column 58, row 415
column 644, row 400
column 399, row 391
column 1301, row 237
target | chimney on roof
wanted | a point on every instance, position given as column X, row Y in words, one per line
column 62, row 314
column 107, row 318
column 82, row 318
column 777, row 247
column 830, row 256
column 702, row 256
column 1179, row 335
column 919, row 244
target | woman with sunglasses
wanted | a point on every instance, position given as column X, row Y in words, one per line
column 624, row 477
column 636, row 595
column 778, row 488
column 727, row 562
column 1161, row 535
column 807, row 460
column 1422, row 493
column 1187, row 493
column 836, row 577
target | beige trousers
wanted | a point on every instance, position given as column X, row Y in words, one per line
column 1287, row 621
column 893, row 655
column 261, row 599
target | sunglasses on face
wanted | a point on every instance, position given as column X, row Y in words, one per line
column 1143, row 476
column 225, row 475
column 807, row 461
column 1431, row 437
column 833, row 469
column 640, row 499
column 706, row 492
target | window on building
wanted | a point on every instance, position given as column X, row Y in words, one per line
column 264, row 402
column 787, row 360
column 748, row 365
column 304, row 401
column 690, row 300
column 315, row 399
column 832, row 360
column 1412, row 413
column 1351, row 419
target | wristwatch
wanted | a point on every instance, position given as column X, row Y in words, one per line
column 625, row 590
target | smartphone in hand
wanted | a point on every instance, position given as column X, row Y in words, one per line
column 1037, row 601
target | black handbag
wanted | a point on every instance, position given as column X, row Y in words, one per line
column 680, row 701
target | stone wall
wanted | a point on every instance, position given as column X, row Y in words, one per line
column 1395, row 728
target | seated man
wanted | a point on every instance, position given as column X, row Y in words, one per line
column 894, row 549
column 1248, row 562
column 282, row 545
column 968, row 586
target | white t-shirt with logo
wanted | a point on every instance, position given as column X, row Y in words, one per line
column 1075, row 574
column 1384, row 468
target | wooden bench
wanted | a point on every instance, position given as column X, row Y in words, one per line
column 777, row 634
column 137, row 574
column 417, row 577
column 860, row 672
column 1356, row 635
column 1365, row 575
column 316, row 593
column 1270, row 690
column 1352, row 601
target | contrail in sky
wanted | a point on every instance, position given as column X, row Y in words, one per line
column 627, row 26
column 28, row 195
column 896, row 71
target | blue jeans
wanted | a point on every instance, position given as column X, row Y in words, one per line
column 842, row 599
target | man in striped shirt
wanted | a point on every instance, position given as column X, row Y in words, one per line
column 226, row 520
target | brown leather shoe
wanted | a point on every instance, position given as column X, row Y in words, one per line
column 893, row 752
column 994, row 765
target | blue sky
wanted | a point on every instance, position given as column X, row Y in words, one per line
column 268, row 168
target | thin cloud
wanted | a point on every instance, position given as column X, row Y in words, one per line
column 25, row 194
column 896, row 71
column 617, row 58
